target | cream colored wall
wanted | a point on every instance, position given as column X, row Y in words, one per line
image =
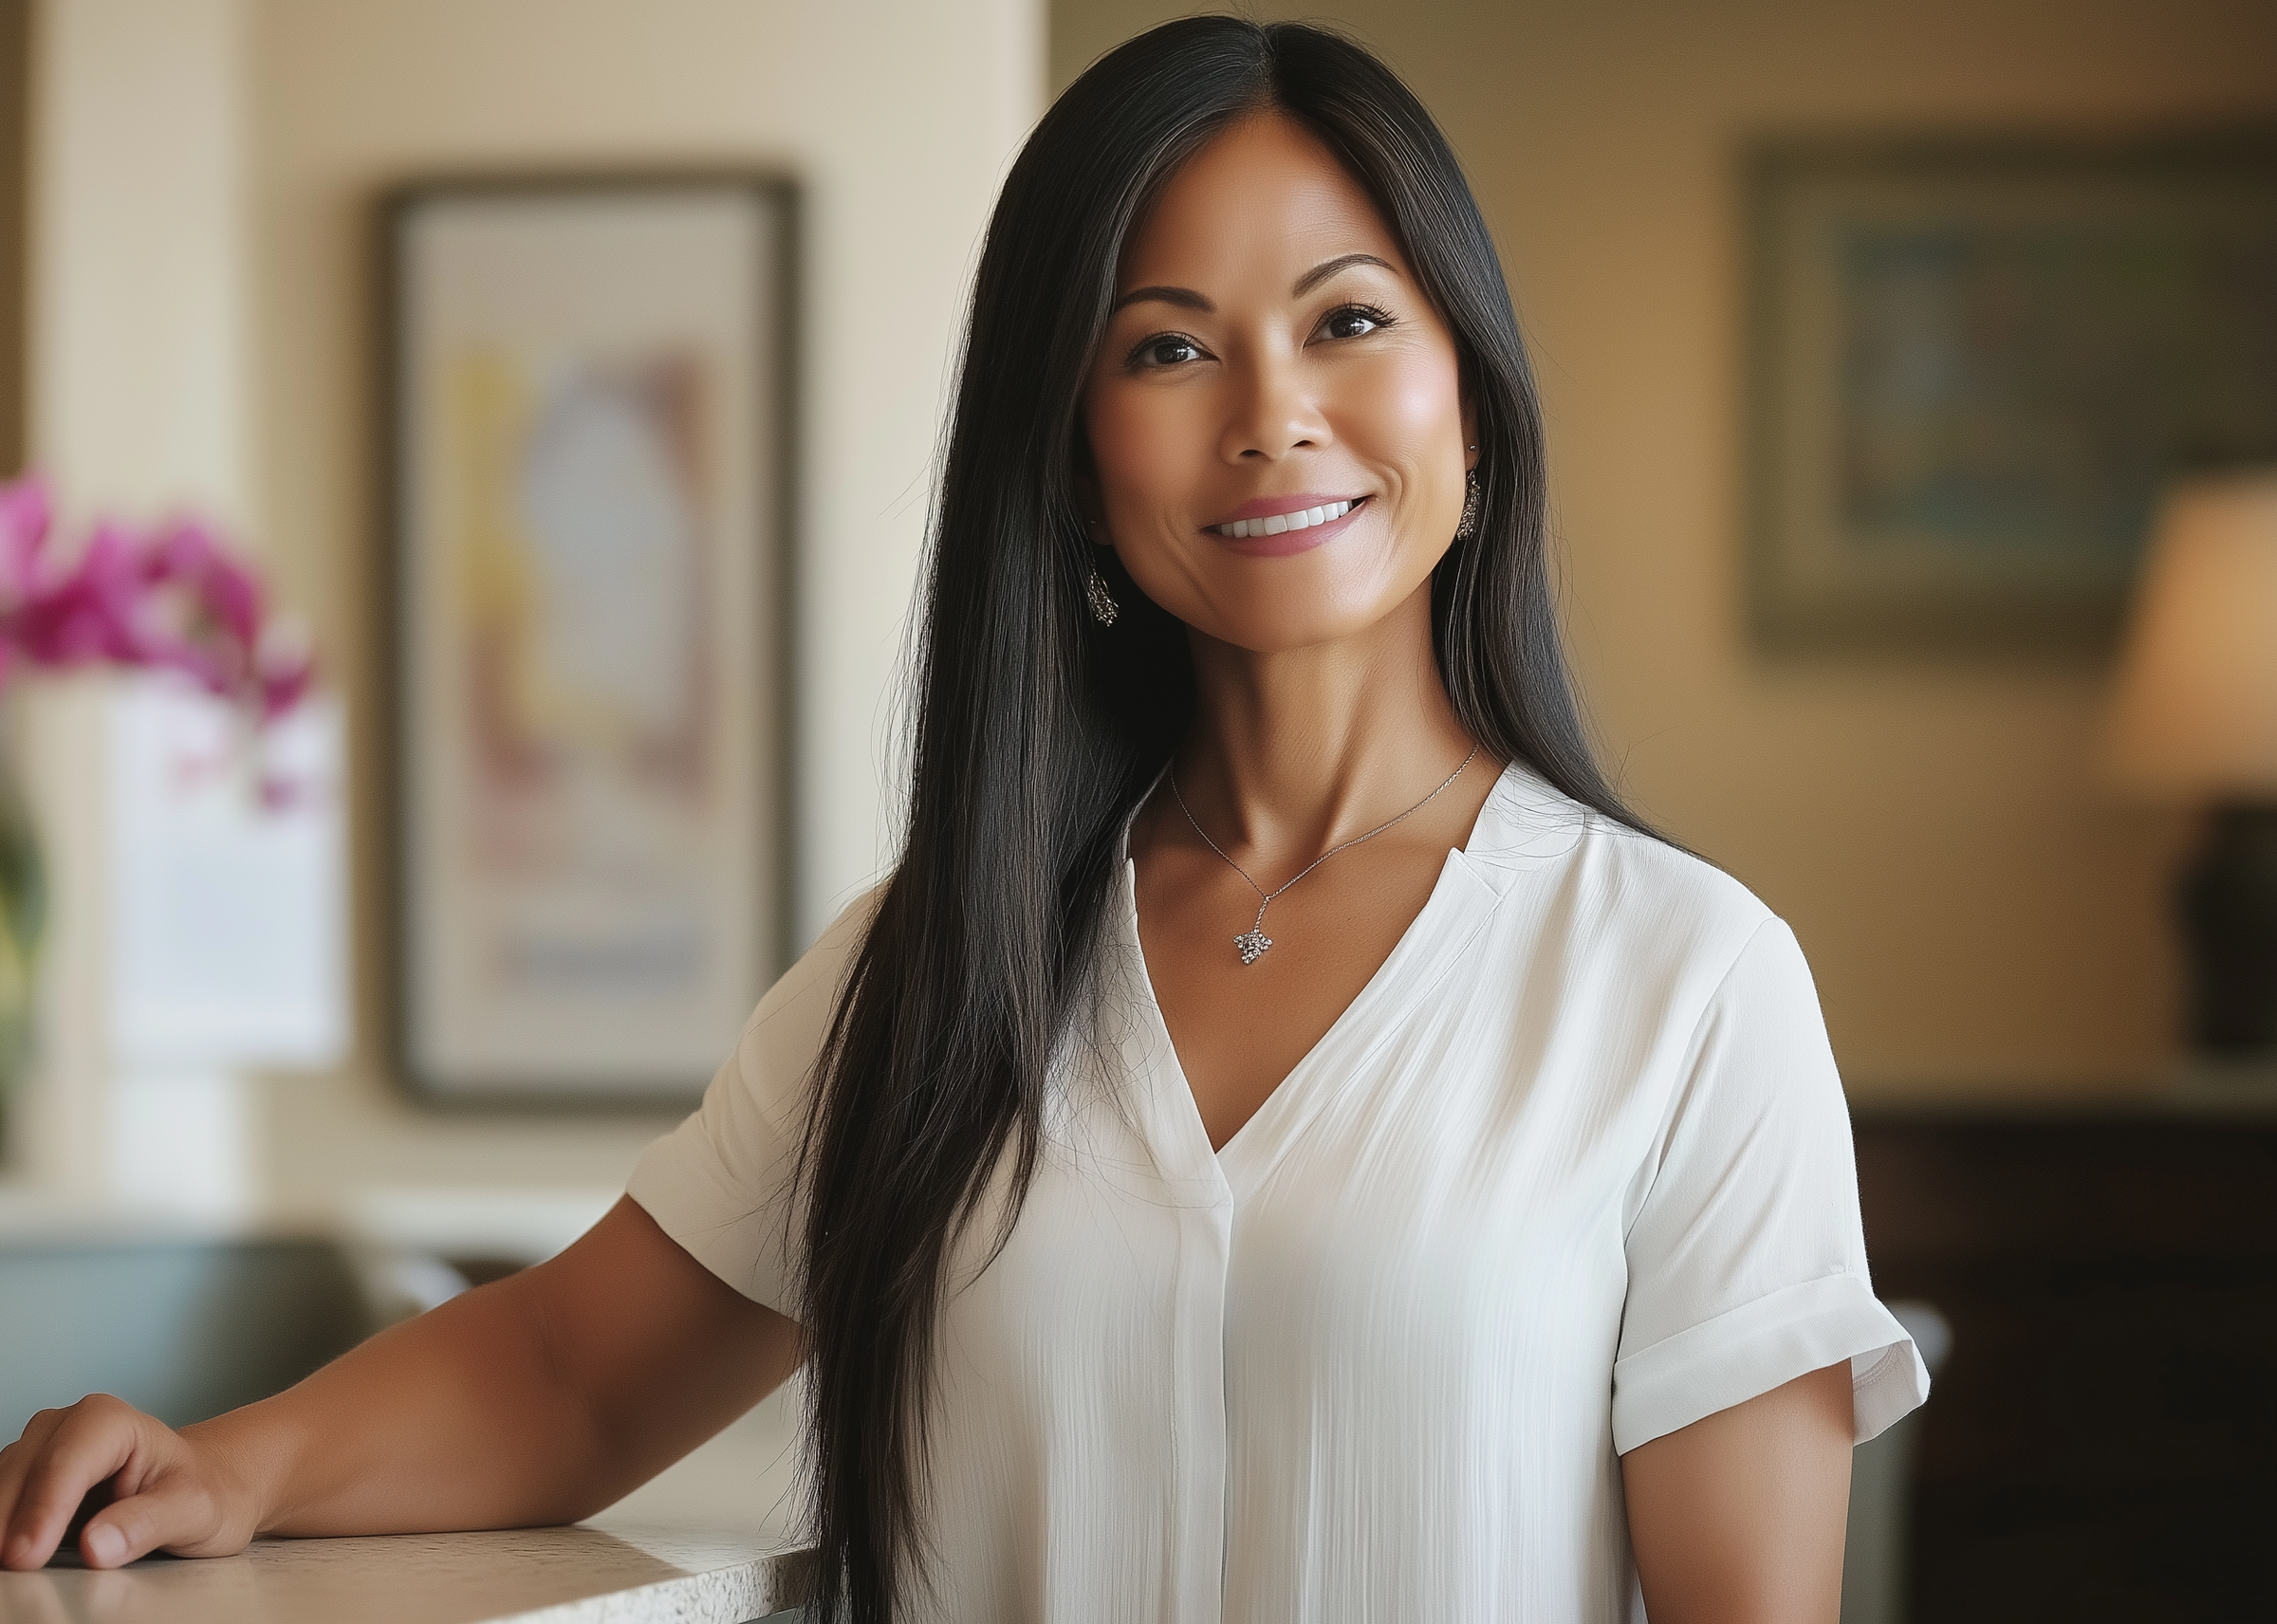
column 15, row 135
column 1978, row 910
column 898, row 116
column 137, row 401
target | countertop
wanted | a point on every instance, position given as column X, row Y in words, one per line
column 617, row 1574
column 703, row 1544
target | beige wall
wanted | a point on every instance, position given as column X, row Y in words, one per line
column 1979, row 913
column 898, row 115
column 139, row 365
column 15, row 126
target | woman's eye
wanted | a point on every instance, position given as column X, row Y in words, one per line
column 1354, row 320
column 1169, row 349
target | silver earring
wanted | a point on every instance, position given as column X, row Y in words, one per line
column 1103, row 607
column 1468, row 524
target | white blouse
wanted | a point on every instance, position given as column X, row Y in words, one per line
column 1572, row 1171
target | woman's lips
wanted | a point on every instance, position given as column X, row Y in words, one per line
column 1289, row 527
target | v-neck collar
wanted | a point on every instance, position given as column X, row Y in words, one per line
column 1517, row 815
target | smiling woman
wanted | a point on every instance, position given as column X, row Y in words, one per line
column 1481, row 1245
column 1490, row 1219
column 1301, row 326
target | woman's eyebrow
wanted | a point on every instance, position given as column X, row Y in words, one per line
column 1328, row 268
column 1185, row 298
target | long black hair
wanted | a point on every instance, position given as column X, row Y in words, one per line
column 1037, row 730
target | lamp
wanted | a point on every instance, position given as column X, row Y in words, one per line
column 2194, row 718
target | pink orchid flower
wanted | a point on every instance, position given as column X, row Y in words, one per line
column 173, row 599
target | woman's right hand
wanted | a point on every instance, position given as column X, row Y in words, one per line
column 166, row 1490
column 536, row 1399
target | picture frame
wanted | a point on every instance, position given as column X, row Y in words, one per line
column 587, row 419
column 1972, row 365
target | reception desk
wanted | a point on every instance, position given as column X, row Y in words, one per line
column 592, row 1574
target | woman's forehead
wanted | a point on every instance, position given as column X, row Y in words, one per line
column 1265, row 196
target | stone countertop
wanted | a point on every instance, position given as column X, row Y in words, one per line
column 590, row 1574
column 659, row 1554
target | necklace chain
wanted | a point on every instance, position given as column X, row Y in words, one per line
column 1254, row 942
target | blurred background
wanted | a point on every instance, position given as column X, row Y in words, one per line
column 198, row 311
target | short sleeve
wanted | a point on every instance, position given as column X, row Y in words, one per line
column 720, row 1184
column 1747, row 1260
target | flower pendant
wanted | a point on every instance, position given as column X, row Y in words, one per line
column 1253, row 944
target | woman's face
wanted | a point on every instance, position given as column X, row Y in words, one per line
column 1276, row 413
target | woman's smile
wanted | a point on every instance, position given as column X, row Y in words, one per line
column 1274, row 416
column 1275, row 526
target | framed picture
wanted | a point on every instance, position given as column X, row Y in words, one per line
column 1973, row 366
column 588, row 415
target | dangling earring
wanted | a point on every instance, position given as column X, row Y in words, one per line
column 1469, row 521
column 1103, row 607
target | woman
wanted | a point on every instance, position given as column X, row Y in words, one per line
column 1284, row 1143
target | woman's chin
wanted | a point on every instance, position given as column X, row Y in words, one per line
column 1325, row 596
column 1284, row 628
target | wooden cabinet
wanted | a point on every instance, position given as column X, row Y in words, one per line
column 2103, row 1443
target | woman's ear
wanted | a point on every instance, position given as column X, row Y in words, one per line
column 1469, row 432
column 1087, row 501
column 1090, row 506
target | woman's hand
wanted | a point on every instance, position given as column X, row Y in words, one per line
column 165, row 1491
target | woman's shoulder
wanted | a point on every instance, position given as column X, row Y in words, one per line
column 840, row 939
column 1634, row 891
column 775, row 1052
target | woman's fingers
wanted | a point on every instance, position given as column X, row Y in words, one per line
column 15, row 1464
column 77, row 1448
column 174, row 1513
column 62, row 1455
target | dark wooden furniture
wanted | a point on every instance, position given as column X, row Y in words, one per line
column 2103, row 1443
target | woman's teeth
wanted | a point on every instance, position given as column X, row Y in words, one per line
column 1240, row 529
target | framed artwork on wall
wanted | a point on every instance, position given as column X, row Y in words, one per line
column 588, row 415
column 1974, row 364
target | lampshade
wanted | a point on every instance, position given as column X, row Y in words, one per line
column 2194, row 716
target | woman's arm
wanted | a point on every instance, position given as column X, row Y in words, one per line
column 1738, row 1518
column 538, row 1399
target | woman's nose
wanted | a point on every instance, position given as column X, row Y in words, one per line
column 1272, row 414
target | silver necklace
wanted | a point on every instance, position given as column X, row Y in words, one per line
column 1253, row 941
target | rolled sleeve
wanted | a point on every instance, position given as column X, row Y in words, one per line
column 1763, row 1344
column 1746, row 1258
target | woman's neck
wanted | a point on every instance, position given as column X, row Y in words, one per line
column 1292, row 753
